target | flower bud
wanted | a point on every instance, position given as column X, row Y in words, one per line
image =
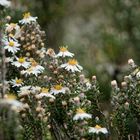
column 23, row 115
column 45, row 119
column 51, row 100
column 124, row 84
column 131, row 62
column 48, row 126
column 40, row 115
column 8, row 18
column 114, row 83
column 26, row 106
column 94, row 78
column 82, row 77
column 76, row 99
column 27, row 54
column 22, row 38
column 126, row 105
column 39, row 102
column 38, row 109
column 42, row 44
column 64, row 103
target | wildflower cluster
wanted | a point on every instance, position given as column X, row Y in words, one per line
column 126, row 101
column 57, row 100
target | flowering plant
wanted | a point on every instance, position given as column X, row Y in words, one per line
column 125, row 101
column 57, row 100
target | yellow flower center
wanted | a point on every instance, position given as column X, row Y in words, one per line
column 63, row 49
column 21, row 60
column 79, row 110
column 18, row 81
column 13, row 25
column 11, row 43
column 58, row 87
column 11, row 96
column 45, row 90
column 98, row 127
column 11, row 35
column 72, row 62
column 26, row 15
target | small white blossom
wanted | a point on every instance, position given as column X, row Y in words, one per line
column 16, row 82
column 98, row 129
column 63, row 52
column 72, row 66
column 45, row 93
column 81, row 114
column 27, row 19
column 11, row 100
column 35, row 69
column 5, row 3
column 58, row 89
column 32, row 89
column 12, row 26
column 21, row 62
column 11, row 45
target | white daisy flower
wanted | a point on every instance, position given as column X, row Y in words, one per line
column 21, row 62
column 27, row 18
column 64, row 52
column 56, row 89
column 72, row 65
column 11, row 45
column 35, row 89
column 5, row 3
column 81, row 114
column 16, row 82
column 11, row 99
column 12, row 26
column 29, row 89
column 98, row 129
column 25, row 88
column 45, row 93
column 34, row 69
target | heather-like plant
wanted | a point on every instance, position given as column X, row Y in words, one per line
column 58, row 102
column 125, row 101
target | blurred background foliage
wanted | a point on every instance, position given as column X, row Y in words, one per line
column 103, row 34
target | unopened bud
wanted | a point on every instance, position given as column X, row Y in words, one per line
column 126, row 105
column 38, row 109
column 8, row 18
column 114, row 83
column 40, row 115
column 64, row 103
column 22, row 38
column 23, row 115
column 76, row 99
column 26, row 106
column 51, row 100
column 124, row 84
column 94, row 78
column 131, row 62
